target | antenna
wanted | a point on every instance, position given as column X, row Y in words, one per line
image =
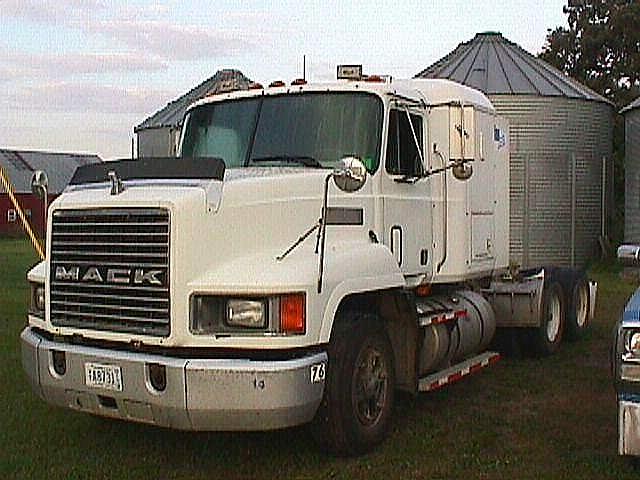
column 304, row 67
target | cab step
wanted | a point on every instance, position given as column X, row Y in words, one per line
column 456, row 372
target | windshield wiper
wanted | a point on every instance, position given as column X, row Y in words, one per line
column 298, row 159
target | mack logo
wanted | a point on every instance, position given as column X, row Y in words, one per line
column 124, row 276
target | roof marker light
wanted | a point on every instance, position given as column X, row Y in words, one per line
column 374, row 79
column 277, row 83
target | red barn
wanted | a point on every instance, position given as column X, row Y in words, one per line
column 20, row 165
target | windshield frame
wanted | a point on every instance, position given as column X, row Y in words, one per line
column 379, row 121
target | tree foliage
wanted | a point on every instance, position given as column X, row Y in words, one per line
column 601, row 47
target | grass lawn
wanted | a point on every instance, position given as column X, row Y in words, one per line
column 522, row 419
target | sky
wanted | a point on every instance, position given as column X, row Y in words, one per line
column 78, row 75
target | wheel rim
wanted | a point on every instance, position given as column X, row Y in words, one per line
column 553, row 318
column 582, row 306
column 370, row 382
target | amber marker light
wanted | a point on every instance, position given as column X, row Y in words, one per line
column 423, row 290
column 374, row 79
column 292, row 313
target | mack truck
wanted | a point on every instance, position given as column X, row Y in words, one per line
column 313, row 249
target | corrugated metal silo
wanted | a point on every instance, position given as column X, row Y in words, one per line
column 632, row 172
column 561, row 148
column 158, row 135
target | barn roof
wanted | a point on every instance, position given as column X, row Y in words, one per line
column 171, row 115
column 20, row 165
column 491, row 63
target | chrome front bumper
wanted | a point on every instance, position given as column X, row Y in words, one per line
column 628, row 427
column 200, row 394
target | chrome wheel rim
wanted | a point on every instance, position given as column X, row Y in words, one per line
column 370, row 385
column 553, row 318
column 582, row 306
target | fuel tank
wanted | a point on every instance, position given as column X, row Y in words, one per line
column 450, row 342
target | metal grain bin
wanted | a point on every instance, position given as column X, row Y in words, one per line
column 159, row 135
column 632, row 172
column 561, row 149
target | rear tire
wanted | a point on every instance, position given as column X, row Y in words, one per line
column 579, row 306
column 545, row 340
column 356, row 411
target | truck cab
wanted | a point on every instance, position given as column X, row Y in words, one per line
column 313, row 248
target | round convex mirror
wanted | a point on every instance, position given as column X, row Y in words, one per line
column 350, row 175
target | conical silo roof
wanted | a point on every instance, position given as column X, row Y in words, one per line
column 491, row 63
column 172, row 114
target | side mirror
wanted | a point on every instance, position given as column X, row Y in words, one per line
column 40, row 186
column 39, row 183
column 350, row 175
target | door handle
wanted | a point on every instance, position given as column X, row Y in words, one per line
column 396, row 243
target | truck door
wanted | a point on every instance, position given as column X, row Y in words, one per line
column 405, row 195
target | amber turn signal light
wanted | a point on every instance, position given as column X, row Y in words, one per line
column 292, row 313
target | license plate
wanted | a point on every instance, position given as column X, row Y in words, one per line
column 100, row 375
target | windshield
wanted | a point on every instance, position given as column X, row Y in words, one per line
column 307, row 130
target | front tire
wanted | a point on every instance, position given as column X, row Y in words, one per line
column 356, row 411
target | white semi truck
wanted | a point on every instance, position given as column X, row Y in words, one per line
column 313, row 249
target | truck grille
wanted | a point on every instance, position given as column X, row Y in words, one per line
column 110, row 270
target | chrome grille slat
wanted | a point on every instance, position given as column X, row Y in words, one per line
column 112, row 264
column 113, row 224
column 105, row 234
column 130, row 311
column 131, row 242
column 114, row 297
column 97, row 285
column 109, row 316
column 110, row 254
column 110, row 244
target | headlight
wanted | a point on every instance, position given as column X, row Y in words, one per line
column 275, row 315
column 246, row 313
column 632, row 342
column 206, row 313
column 37, row 303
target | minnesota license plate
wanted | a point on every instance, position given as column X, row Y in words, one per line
column 100, row 375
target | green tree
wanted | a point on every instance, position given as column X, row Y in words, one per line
column 601, row 49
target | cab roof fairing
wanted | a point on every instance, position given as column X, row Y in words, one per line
column 431, row 92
